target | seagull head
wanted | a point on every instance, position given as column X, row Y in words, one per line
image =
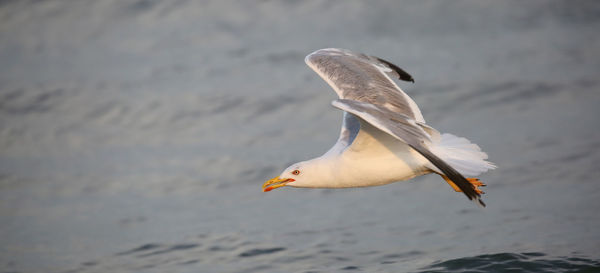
column 291, row 174
column 314, row 173
column 305, row 174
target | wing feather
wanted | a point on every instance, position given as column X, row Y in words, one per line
column 360, row 77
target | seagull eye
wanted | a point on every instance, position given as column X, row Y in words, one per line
column 296, row 172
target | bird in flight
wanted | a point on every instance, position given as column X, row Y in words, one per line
column 384, row 137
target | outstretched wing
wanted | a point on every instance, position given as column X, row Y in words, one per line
column 409, row 131
column 360, row 77
column 364, row 78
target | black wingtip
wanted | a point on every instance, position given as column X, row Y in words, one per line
column 402, row 75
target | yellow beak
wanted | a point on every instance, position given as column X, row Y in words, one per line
column 275, row 183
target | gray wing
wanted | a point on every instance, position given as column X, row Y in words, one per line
column 409, row 131
column 350, row 128
column 360, row 77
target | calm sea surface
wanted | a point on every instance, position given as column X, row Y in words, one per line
column 135, row 136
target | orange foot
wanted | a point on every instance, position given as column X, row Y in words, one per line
column 474, row 181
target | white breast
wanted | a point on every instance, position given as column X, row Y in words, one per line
column 376, row 158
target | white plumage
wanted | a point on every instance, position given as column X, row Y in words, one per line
column 464, row 156
column 384, row 137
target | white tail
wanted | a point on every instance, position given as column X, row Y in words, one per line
column 464, row 156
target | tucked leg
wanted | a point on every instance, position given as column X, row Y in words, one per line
column 474, row 181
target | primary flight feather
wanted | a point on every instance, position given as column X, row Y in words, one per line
column 384, row 137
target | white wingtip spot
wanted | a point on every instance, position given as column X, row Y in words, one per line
column 383, row 69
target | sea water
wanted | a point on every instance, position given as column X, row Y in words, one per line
column 135, row 136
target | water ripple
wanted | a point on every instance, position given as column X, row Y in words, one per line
column 260, row 251
column 139, row 249
column 170, row 249
column 515, row 262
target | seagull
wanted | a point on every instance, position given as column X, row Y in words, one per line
column 384, row 137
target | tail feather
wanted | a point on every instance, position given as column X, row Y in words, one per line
column 466, row 157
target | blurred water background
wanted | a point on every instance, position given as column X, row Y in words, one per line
column 135, row 136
